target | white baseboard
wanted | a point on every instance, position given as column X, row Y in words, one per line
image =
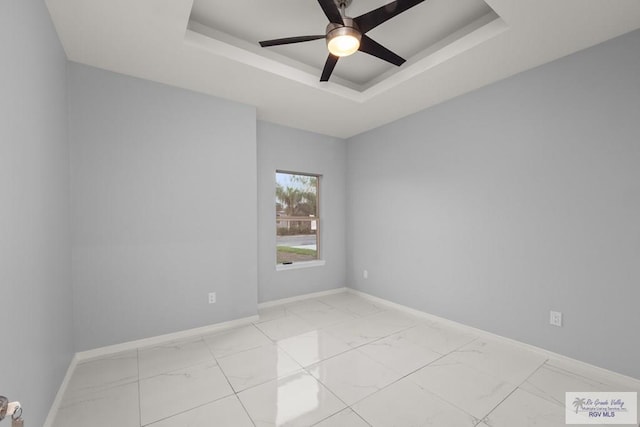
column 132, row 345
column 631, row 382
column 160, row 339
column 53, row 411
column 301, row 297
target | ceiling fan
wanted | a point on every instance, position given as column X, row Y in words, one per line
column 345, row 36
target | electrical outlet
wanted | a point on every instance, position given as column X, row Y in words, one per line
column 365, row 274
column 212, row 297
column 555, row 318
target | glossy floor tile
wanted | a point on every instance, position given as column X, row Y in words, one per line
column 226, row 343
column 523, row 409
column 406, row 404
column 399, row 354
column 437, row 337
column 168, row 357
column 168, row 394
column 313, row 347
column 352, row 304
column 364, row 330
column 295, row 400
column 504, row 361
column 609, row 382
column 285, row 327
column 554, row 378
column 96, row 408
column 353, row 376
column 226, row 412
column 337, row 360
column 344, row 418
column 551, row 383
column 322, row 316
column 271, row 313
column 256, row 366
column 467, row 388
column 102, row 374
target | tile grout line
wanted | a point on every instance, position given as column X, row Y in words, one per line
column 188, row 410
column 514, row 390
column 235, row 393
column 192, row 339
column 482, row 420
column 237, row 352
column 330, row 391
column 360, row 416
column 167, row 345
column 533, row 373
column 342, row 410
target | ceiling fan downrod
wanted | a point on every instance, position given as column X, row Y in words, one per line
column 342, row 6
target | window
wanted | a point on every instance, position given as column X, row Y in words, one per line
column 297, row 217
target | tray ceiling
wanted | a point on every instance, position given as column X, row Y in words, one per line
column 408, row 34
column 451, row 47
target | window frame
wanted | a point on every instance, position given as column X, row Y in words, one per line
column 318, row 261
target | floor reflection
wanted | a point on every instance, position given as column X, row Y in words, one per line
column 297, row 395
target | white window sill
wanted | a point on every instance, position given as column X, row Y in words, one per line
column 303, row 264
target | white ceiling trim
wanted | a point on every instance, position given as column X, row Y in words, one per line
column 220, row 44
column 466, row 39
column 150, row 39
column 226, row 46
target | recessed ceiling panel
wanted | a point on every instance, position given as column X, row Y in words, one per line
column 408, row 34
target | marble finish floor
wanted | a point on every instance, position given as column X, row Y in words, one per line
column 338, row 360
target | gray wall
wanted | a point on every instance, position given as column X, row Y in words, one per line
column 35, row 279
column 283, row 148
column 164, row 208
column 519, row 198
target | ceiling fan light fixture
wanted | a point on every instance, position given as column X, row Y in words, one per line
column 343, row 41
column 345, row 36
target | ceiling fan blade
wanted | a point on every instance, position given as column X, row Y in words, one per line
column 289, row 40
column 370, row 46
column 372, row 19
column 331, row 10
column 332, row 60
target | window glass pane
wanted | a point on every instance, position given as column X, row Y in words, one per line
column 297, row 241
column 297, row 220
column 296, row 195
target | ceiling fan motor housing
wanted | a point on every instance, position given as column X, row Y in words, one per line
column 350, row 28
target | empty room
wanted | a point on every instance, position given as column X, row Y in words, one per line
column 319, row 213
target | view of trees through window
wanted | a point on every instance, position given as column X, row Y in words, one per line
column 297, row 219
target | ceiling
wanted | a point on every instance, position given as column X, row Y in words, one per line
column 451, row 47
column 407, row 34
